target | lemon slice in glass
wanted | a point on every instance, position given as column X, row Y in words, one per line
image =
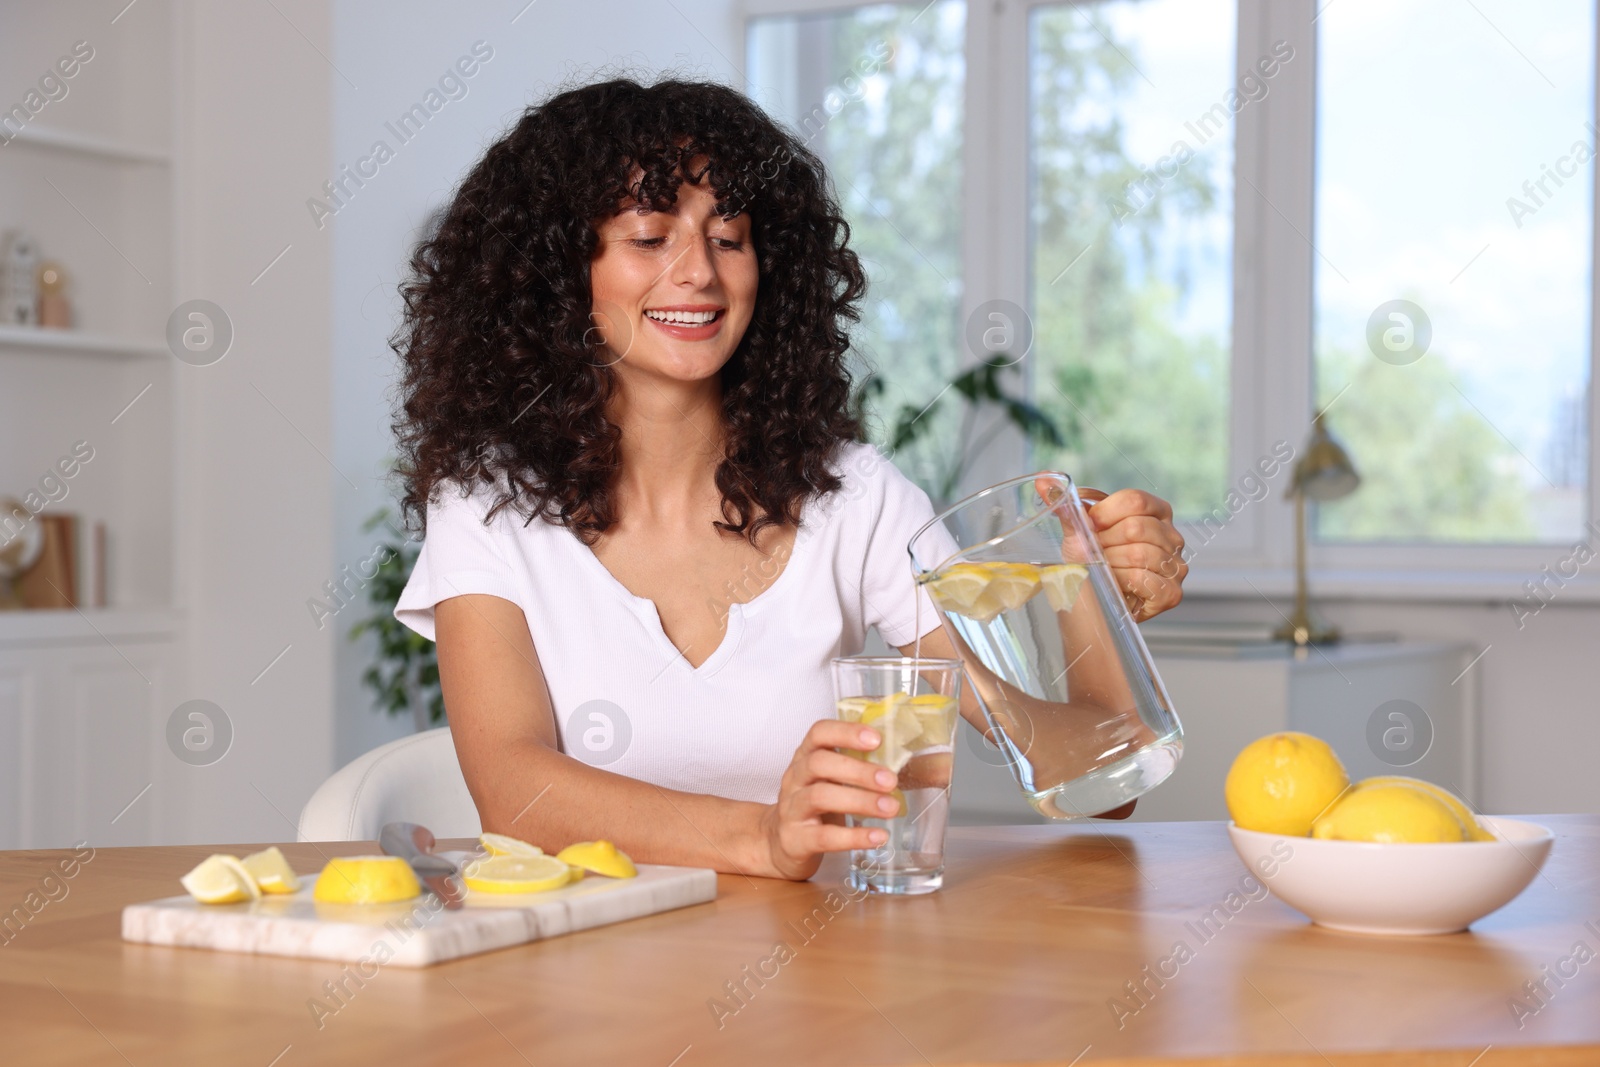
column 899, row 727
column 366, row 880
column 601, row 857
column 936, row 716
column 851, row 709
column 501, row 845
column 1061, row 583
column 221, row 879
column 516, row 874
column 271, row 871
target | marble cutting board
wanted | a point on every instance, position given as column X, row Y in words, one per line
column 417, row 932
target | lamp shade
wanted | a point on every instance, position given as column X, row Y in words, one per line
column 1325, row 472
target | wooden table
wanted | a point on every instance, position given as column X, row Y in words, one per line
column 1020, row 959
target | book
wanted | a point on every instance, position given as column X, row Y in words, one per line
column 52, row 580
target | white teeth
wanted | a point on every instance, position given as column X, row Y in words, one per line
column 683, row 318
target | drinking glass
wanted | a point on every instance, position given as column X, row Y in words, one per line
column 912, row 703
column 1067, row 687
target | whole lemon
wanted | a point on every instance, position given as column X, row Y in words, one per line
column 1475, row 830
column 1393, row 813
column 1279, row 783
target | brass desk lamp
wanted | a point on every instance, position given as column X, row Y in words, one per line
column 1325, row 472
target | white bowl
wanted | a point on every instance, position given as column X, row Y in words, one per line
column 1374, row 888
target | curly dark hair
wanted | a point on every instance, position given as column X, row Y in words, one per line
column 499, row 377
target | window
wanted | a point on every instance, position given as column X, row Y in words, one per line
column 1131, row 240
column 1222, row 217
column 1454, row 188
column 877, row 93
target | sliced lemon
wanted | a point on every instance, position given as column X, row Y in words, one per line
column 877, row 710
column 958, row 588
column 221, row 879
column 271, row 871
column 850, row 709
column 601, row 857
column 1011, row 584
column 501, row 845
column 936, row 716
column 1061, row 582
column 516, row 874
column 366, row 880
column 899, row 726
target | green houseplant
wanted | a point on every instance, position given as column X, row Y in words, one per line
column 979, row 386
column 404, row 674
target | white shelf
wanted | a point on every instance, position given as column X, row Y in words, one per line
column 35, row 338
column 84, row 144
column 70, row 626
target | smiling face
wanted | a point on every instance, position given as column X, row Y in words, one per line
column 673, row 290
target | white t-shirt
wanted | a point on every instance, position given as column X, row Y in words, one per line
column 624, row 697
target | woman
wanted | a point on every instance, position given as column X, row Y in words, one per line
column 650, row 520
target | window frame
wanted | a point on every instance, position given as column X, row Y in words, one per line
column 1271, row 371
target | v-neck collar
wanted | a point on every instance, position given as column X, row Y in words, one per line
column 733, row 629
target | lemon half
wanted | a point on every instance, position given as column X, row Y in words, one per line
column 366, row 880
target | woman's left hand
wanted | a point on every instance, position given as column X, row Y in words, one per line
column 1142, row 545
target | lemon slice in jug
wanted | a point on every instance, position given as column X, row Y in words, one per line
column 1011, row 584
column 1061, row 583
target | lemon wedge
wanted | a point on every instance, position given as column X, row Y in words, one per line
column 601, row 857
column 1061, row 582
column 366, row 880
column 221, row 879
column 516, row 874
column 271, row 871
column 501, row 845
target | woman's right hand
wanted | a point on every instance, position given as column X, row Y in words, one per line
column 819, row 787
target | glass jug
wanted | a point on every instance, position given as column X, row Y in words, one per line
column 1059, row 668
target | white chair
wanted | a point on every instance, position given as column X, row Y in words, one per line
column 415, row 779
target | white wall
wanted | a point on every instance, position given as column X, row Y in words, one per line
column 392, row 53
column 256, row 503
column 1537, row 685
